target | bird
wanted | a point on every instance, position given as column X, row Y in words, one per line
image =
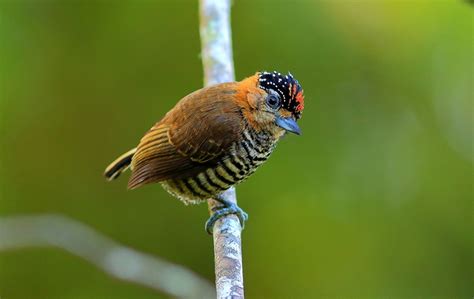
column 215, row 138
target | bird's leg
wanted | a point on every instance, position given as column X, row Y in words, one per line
column 228, row 208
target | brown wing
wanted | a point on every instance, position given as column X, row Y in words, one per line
column 190, row 138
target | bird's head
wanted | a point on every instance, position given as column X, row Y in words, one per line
column 275, row 102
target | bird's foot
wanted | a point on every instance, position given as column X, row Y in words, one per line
column 228, row 208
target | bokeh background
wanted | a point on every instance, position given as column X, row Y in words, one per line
column 374, row 200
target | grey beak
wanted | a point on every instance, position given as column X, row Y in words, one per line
column 289, row 124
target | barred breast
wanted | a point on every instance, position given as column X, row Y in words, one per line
column 243, row 159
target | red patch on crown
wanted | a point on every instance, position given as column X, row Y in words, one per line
column 300, row 100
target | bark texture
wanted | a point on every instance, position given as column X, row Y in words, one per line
column 216, row 43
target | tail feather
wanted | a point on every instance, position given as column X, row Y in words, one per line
column 120, row 164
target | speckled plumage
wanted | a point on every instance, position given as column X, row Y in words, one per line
column 213, row 138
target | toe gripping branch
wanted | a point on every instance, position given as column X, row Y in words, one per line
column 227, row 208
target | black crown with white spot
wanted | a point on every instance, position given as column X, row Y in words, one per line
column 289, row 89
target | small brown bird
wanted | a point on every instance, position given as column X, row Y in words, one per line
column 215, row 138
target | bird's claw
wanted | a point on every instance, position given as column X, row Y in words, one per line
column 228, row 208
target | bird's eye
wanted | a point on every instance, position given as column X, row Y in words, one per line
column 273, row 101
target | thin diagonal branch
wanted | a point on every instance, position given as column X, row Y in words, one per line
column 118, row 261
column 218, row 65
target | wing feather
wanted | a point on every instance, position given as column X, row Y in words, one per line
column 190, row 138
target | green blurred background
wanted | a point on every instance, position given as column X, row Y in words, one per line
column 374, row 200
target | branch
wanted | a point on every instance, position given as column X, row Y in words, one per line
column 219, row 67
column 117, row 260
